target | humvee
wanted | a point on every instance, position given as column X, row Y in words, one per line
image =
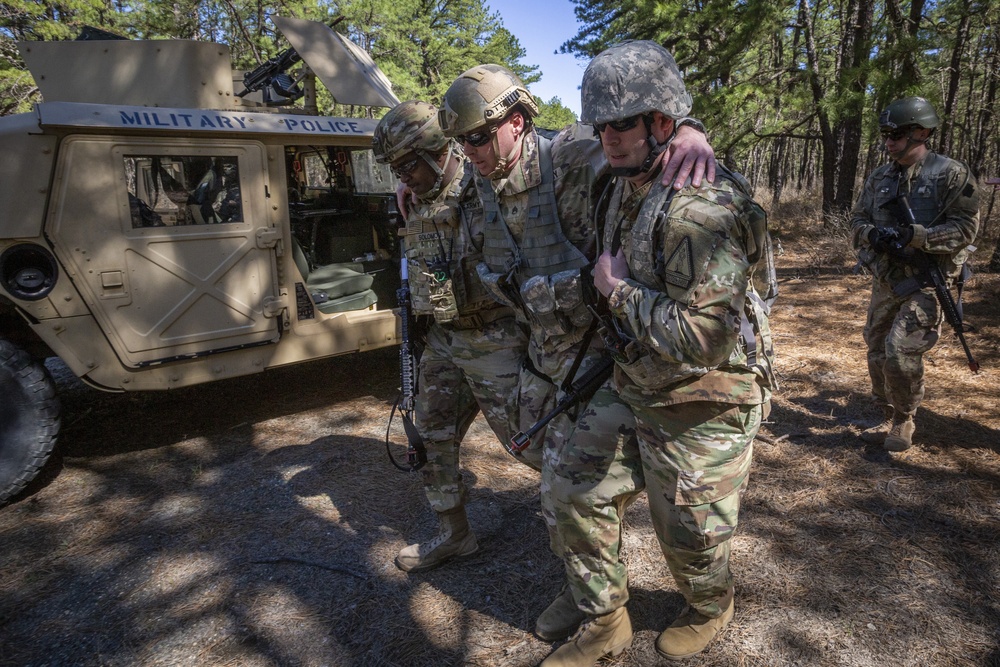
column 162, row 226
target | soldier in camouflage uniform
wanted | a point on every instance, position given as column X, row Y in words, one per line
column 904, row 318
column 473, row 345
column 695, row 372
column 537, row 196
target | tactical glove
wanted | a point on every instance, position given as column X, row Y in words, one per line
column 882, row 239
column 905, row 236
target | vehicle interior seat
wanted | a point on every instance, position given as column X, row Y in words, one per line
column 335, row 288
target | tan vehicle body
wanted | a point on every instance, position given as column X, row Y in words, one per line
column 158, row 231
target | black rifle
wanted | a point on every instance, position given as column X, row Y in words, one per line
column 271, row 77
column 582, row 389
column 577, row 392
column 929, row 274
column 416, row 453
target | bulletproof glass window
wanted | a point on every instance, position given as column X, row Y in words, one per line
column 168, row 190
column 371, row 177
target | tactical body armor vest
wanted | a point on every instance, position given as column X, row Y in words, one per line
column 678, row 274
column 442, row 249
column 926, row 195
column 539, row 277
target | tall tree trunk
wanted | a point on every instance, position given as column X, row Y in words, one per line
column 954, row 78
column 983, row 127
column 856, row 47
column 827, row 138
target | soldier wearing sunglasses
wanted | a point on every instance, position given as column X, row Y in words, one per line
column 537, row 199
column 675, row 269
column 473, row 346
column 904, row 317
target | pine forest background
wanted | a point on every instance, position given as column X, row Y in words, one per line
column 789, row 89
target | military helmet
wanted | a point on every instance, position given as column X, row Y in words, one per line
column 909, row 111
column 632, row 78
column 483, row 95
column 409, row 126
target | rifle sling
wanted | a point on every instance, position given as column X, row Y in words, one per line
column 567, row 385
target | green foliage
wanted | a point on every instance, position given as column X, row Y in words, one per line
column 786, row 86
column 421, row 45
column 553, row 115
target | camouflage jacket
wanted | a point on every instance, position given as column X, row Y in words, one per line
column 556, row 313
column 444, row 239
column 577, row 161
column 945, row 201
column 687, row 296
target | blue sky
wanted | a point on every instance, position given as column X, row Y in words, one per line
column 542, row 26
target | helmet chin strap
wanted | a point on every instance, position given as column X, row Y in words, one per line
column 655, row 150
column 910, row 143
column 504, row 162
column 439, row 171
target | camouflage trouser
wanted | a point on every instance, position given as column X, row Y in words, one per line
column 898, row 333
column 587, row 477
column 461, row 372
column 694, row 459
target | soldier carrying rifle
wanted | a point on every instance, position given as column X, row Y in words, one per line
column 903, row 253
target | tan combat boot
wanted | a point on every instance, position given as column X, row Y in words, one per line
column 691, row 633
column 597, row 637
column 454, row 540
column 876, row 434
column 560, row 619
column 901, row 434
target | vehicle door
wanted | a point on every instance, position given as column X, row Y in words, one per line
column 170, row 242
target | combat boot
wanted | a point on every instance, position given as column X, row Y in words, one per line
column 901, row 434
column 876, row 434
column 597, row 637
column 691, row 633
column 454, row 540
column 560, row 619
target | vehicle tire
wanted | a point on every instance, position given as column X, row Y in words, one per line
column 29, row 419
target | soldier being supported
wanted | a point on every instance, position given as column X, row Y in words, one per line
column 537, row 198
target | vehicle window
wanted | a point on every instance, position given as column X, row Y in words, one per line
column 165, row 190
column 370, row 177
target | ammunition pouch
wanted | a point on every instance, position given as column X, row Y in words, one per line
column 556, row 302
column 500, row 287
column 443, row 303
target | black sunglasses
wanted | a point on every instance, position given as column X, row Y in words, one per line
column 897, row 133
column 623, row 125
column 406, row 168
column 477, row 139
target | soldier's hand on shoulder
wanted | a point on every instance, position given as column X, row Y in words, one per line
column 689, row 154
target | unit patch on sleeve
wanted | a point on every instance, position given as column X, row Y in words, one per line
column 679, row 267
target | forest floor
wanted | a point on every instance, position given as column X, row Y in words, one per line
column 254, row 522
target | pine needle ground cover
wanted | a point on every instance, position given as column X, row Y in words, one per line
column 255, row 522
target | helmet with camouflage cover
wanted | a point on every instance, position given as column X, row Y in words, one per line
column 909, row 111
column 483, row 95
column 409, row 126
column 633, row 78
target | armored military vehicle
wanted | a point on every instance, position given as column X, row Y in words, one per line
column 164, row 223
